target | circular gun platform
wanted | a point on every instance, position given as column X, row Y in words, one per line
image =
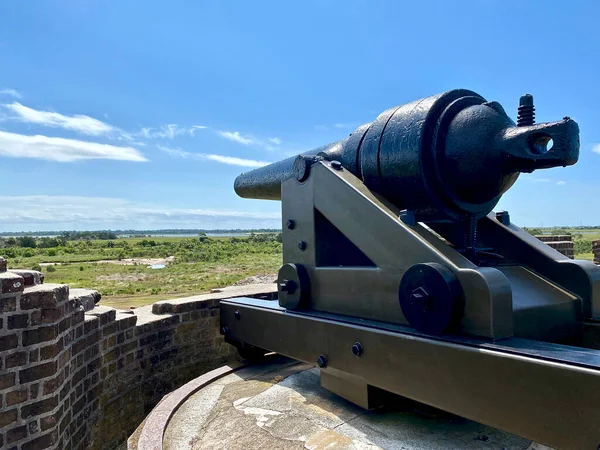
column 280, row 404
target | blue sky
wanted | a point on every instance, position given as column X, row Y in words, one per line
column 131, row 114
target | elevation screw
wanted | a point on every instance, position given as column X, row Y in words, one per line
column 526, row 112
column 322, row 361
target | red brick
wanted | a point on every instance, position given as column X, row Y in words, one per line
column 45, row 441
column 7, row 380
column 11, row 282
column 38, row 335
column 41, row 407
column 36, row 317
column 51, row 315
column 8, row 304
column 34, row 390
column 16, row 434
column 34, row 355
column 16, row 359
column 8, row 417
column 8, row 342
column 48, row 422
column 52, row 350
column 14, row 397
column 36, row 372
column 17, row 321
column 52, row 385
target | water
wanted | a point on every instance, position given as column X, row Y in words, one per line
column 157, row 266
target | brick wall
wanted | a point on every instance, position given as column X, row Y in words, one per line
column 74, row 379
column 560, row 242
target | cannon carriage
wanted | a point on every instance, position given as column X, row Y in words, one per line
column 399, row 277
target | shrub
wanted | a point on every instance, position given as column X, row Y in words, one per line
column 36, row 267
column 50, row 269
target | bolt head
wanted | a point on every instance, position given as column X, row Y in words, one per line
column 322, row 361
column 357, row 349
column 291, row 224
column 237, row 314
column 224, row 330
column 288, row 286
column 302, row 245
column 336, row 165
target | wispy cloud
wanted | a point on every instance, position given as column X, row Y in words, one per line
column 168, row 131
column 236, row 136
column 38, row 211
column 10, row 92
column 270, row 143
column 338, row 126
column 62, row 150
column 534, row 179
column 596, row 148
column 196, row 127
column 79, row 122
column 233, row 161
column 230, row 160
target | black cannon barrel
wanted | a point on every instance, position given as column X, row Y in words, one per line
column 442, row 157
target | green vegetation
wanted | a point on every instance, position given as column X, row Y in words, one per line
column 119, row 267
column 195, row 265
column 582, row 238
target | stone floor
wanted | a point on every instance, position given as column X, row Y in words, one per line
column 280, row 405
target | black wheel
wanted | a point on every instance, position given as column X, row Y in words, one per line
column 431, row 298
column 293, row 286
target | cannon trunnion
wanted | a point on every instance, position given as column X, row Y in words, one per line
column 398, row 276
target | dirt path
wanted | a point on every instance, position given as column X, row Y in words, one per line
column 124, row 261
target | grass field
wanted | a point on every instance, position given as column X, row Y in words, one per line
column 199, row 265
column 196, row 264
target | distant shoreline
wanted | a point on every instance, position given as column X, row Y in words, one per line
column 144, row 233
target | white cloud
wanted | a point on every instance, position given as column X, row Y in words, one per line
column 62, row 150
column 165, row 132
column 47, row 211
column 247, row 139
column 533, row 179
column 335, row 125
column 230, row 160
column 237, row 137
column 596, row 148
column 79, row 122
column 561, row 183
column 10, row 92
column 196, row 127
column 233, row 161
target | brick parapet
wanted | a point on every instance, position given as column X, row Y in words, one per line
column 72, row 379
column 562, row 243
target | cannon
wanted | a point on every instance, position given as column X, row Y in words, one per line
column 399, row 277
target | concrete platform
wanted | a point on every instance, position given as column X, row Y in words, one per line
column 280, row 405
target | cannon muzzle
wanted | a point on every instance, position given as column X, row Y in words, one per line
column 441, row 157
